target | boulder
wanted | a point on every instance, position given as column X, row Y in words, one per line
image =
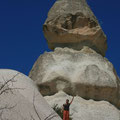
column 71, row 23
column 21, row 100
column 84, row 73
column 82, row 109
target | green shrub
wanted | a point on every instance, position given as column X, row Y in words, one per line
column 58, row 110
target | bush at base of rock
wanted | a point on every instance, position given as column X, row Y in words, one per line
column 59, row 111
column 82, row 109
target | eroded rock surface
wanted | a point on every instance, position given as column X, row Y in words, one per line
column 21, row 100
column 71, row 23
column 82, row 109
column 84, row 73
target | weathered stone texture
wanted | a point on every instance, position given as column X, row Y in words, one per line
column 71, row 23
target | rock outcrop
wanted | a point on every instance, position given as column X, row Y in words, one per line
column 84, row 73
column 77, row 65
column 85, row 109
column 21, row 100
column 71, row 23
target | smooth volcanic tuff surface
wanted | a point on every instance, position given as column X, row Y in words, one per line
column 21, row 99
column 84, row 73
column 71, row 23
column 85, row 109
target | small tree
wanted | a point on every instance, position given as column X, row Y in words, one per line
column 4, row 89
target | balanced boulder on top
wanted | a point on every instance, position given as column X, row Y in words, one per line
column 71, row 23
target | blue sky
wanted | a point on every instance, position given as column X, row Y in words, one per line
column 21, row 36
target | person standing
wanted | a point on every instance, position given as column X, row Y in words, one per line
column 66, row 107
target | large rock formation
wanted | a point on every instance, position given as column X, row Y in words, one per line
column 71, row 23
column 77, row 66
column 84, row 73
column 85, row 109
column 20, row 99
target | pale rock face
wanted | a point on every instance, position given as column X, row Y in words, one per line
column 20, row 99
column 71, row 23
column 82, row 109
column 84, row 73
